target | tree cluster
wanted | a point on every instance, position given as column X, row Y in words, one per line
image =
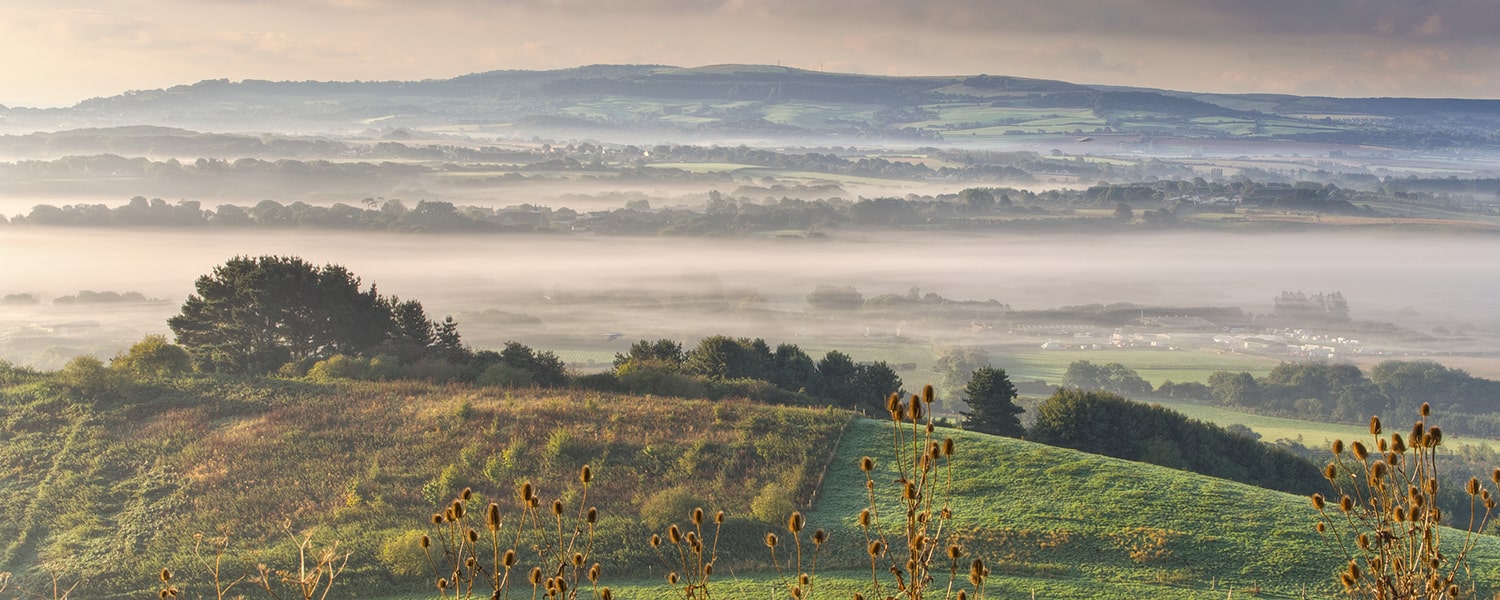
column 1112, row 377
column 1324, row 391
column 266, row 314
column 1105, row 423
column 745, row 365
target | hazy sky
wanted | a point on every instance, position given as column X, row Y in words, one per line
column 62, row 51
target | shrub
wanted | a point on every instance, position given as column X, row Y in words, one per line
column 668, row 505
column 153, row 356
column 773, row 505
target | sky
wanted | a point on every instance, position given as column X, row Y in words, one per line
column 59, row 52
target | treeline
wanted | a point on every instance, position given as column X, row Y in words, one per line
column 1323, row 391
column 1108, row 424
column 751, row 368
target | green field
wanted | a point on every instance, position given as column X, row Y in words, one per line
column 1155, row 366
column 1308, row 433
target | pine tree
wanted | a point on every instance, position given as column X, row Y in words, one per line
column 991, row 398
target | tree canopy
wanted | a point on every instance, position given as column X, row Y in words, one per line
column 992, row 406
column 252, row 315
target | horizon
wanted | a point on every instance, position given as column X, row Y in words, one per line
column 79, row 49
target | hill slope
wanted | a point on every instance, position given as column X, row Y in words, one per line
column 650, row 103
column 108, row 480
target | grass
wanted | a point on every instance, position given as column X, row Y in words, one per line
column 1308, row 433
column 1155, row 366
column 367, row 462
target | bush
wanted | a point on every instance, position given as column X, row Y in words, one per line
column 339, row 366
column 772, row 505
column 668, row 506
column 153, row 356
column 403, row 555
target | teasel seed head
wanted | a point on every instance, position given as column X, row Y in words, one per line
column 1321, row 527
column 1436, row 433
column 1364, row 541
column 866, row 464
column 876, row 548
column 963, row 595
column 672, row 578
column 927, row 393
column 1381, row 445
column 930, row 428
column 467, row 493
column 674, row 534
column 492, row 517
column 947, row 446
column 1377, row 470
column 954, row 552
column 425, row 542
column 585, row 475
column 557, row 508
column 472, row 535
column 1338, row 447
column 1397, row 444
column 796, row 592
column 606, row 594
column 509, row 559
column 536, row 576
column 1330, row 472
column 1398, row 515
column 916, row 411
column 864, row 518
column 594, row 573
column 1374, row 425
column 1473, row 486
column 562, row 586
column 458, row 510
column 795, row 522
column 804, row 580
column 437, row 518
column 1494, row 476
column 1346, row 504
column 1359, row 450
column 166, row 575
column 819, row 537
column 655, row 541
column 1317, row 500
column 470, row 562
column 691, row 538
column 893, row 403
column 442, row 583
column 708, row 569
column 577, row 559
column 910, row 491
column 526, row 491
column 859, row 596
column 697, row 516
column 719, row 518
column 1426, row 410
column 771, row 540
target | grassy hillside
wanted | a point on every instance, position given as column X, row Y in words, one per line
column 107, row 481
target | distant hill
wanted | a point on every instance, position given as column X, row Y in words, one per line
column 760, row 102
